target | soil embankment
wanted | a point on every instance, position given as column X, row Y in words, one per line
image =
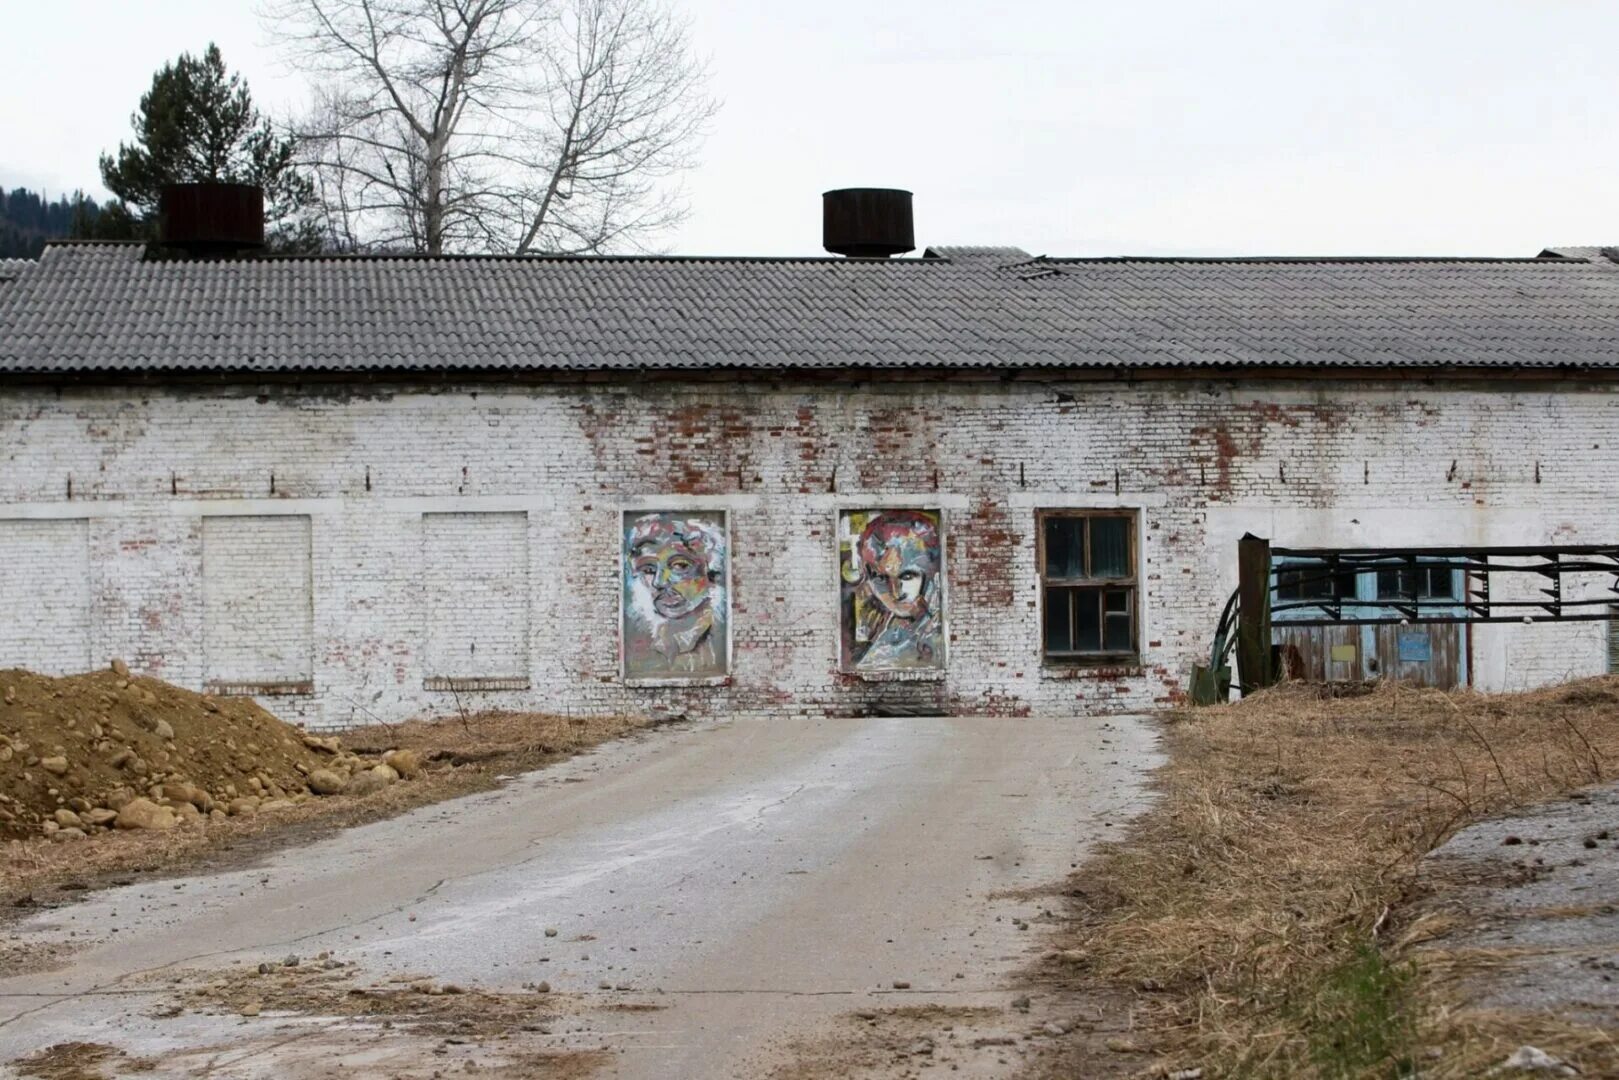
column 106, row 773
column 108, row 750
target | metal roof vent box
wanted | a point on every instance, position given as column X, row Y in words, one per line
column 867, row 222
column 211, row 219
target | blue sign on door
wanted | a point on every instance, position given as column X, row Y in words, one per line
column 1415, row 648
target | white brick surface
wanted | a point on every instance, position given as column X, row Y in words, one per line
column 475, row 581
column 449, row 515
column 45, row 595
column 257, row 597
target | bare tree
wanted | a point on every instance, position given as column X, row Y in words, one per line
column 516, row 126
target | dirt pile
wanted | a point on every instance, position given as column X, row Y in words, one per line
column 109, row 750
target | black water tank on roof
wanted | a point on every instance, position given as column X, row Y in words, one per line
column 211, row 218
column 867, row 222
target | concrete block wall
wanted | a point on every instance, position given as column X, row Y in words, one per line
column 446, row 534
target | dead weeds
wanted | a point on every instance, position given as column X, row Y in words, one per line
column 503, row 741
column 410, row 1027
column 80, row 1061
column 1261, row 914
column 896, row 1044
column 426, row 1006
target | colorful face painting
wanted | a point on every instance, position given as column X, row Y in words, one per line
column 892, row 608
column 676, row 610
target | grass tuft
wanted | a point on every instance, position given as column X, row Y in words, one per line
column 1360, row 1022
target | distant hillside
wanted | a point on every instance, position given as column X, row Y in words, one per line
column 27, row 220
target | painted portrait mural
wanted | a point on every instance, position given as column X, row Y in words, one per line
column 676, row 604
column 892, row 604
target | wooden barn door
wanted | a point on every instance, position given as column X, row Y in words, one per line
column 1430, row 654
column 1427, row 654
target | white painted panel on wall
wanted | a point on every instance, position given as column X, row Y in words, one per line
column 45, row 595
column 258, row 603
column 475, row 579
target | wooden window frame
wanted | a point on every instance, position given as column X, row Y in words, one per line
column 1129, row 583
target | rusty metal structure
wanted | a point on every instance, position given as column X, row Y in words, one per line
column 1291, row 589
column 211, row 219
column 867, row 223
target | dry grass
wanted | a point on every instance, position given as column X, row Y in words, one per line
column 463, row 755
column 1263, row 909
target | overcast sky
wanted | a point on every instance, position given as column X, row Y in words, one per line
column 1067, row 127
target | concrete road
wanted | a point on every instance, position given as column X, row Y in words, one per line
column 742, row 880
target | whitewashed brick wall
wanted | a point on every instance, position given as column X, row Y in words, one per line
column 258, row 601
column 45, row 595
column 475, row 582
column 441, row 516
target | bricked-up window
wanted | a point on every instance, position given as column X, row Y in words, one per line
column 475, row 579
column 1088, row 578
column 45, row 595
column 258, row 605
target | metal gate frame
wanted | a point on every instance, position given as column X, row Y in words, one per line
column 1245, row 621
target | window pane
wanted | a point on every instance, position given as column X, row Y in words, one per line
column 1059, row 616
column 1090, row 620
column 1065, row 547
column 1310, row 581
column 1110, row 547
column 1401, row 583
column 1116, row 629
column 1118, row 633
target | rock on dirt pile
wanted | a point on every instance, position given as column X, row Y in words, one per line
column 107, row 750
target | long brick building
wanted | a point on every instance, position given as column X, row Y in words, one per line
column 975, row 481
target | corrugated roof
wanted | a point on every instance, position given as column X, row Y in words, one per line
column 964, row 252
column 94, row 307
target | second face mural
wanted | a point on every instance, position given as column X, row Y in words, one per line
column 676, row 604
column 891, row 611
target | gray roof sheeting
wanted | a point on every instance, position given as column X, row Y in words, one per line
column 90, row 307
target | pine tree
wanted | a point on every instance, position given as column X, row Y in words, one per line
column 198, row 123
column 28, row 220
